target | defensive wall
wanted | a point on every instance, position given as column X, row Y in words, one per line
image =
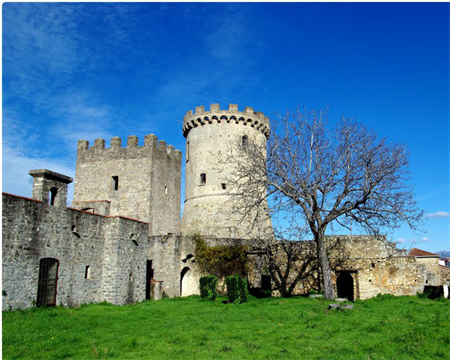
column 100, row 258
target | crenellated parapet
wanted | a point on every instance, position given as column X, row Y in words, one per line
column 248, row 117
column 151, row 147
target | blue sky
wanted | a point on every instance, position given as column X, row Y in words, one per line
column 86, row 70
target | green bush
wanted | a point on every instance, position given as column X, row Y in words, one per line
column 208, row 286
column 237, row 289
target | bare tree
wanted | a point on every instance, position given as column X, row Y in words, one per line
column 319, row 176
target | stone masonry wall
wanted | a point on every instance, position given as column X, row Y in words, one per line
column 33, row 230
column 171, row 254
column 375, row 265
column 124, row 263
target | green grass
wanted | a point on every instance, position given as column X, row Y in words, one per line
column 271, row 328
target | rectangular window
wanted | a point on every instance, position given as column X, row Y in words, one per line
column 203, row 179
column 115, row 183
column 187, row 151
column 87, row 272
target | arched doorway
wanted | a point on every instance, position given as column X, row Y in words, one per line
column 188, row 285
column 344, row 284
column 48, row 281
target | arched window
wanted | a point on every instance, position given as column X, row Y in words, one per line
column 202, row 179
column 52, row 196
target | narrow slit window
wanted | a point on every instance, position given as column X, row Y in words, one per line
column 187, row 151
column 202, row 179
column 166, row 191
column 115, row 183
column 87, row 272
column 244, row 140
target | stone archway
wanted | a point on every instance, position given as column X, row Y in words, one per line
column 345, row 286
column 188, row 284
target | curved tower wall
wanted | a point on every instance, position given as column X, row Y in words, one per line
column 208, row 207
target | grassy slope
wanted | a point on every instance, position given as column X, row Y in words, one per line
column 272, row 328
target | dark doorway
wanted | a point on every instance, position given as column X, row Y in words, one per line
column 266, row 282
column 48, row 280
column 149, row 277
column 344, row 285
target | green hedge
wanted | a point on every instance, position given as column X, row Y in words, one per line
column 237, row 289
column 208, row 285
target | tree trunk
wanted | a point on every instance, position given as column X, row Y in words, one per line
column 324, row 265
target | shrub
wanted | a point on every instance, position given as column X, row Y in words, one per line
column 237, row 289
column 208, row 285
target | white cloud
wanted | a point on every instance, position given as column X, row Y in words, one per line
column 437, row 215
column 15, row 177
column 413, row 240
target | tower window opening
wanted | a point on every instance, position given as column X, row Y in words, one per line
column 115, row 183
column 244, row 140
column 187, row 151
column 52, row 196
column 202, row 179
column 87, row 272
column 224, row 186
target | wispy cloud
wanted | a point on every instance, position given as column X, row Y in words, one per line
column 433, row 193
column 413, row 240
column 437, row 215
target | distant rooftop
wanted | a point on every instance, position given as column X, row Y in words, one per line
column 418, row 252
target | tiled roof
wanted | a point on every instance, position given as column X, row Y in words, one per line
column 418, row 252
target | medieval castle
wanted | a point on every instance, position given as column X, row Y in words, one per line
column 122, row 239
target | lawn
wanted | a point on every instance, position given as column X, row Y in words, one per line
column 271, row 328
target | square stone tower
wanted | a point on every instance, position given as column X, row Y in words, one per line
column 138, row 182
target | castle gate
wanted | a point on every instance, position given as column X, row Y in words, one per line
column 48, row 280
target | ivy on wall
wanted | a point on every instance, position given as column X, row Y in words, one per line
column 221, row 260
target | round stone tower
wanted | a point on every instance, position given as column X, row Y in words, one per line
column 210, row 135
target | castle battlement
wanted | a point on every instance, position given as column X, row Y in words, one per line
column 248, row 117
column 151, row 146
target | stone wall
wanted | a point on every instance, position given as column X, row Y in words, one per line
column 173, row 259
column 33, row 230
column 139, row 182
column 375, row 265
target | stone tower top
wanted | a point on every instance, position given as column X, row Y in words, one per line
column 247, row 117
column 50, row 187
